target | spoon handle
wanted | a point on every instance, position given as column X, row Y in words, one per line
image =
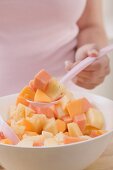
column 85, row 63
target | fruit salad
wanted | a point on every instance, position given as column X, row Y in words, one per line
column 71, row 120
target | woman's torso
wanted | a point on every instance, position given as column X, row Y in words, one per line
column 33, row 35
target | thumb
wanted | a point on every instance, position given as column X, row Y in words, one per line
column 85, row 51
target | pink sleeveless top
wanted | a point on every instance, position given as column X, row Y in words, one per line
column 34, row 35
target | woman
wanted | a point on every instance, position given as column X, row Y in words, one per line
column 44, row 34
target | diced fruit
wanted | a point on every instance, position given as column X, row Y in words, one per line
column 78, row 106
column 88, row 130
column 19, row 112
column 40, row 96
column 66, row 133
column 80, row 119
column 39, row 142
column 12, row 110
column 19, row 130
column 95, row 133
column 32, row 85
column 26, row 93
column 50, row 142
column 67, row 119
column 59, row 113
column 95, row 118
column 61, row 125
column 51, row 126
column 41, row 80
column 27, row 124
column 46, row 111
column 54, row 89
column 47, row 134
column 6, row 141
column 38, row 121
column 2, row 136
column 60, row 138
column 74, row 130
column 29, row 112
column 49, row 112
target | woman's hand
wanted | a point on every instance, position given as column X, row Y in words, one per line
column 94, row 74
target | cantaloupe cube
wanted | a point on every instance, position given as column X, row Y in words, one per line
column 41, row 80
column 38, row 121
column 88, row 130
column 40, row 96
column 95, row 118
column 78, row 106
column 26, row 93
column 74, row 130
column 27, row 124
column 50, row 142
column 61, row 125
column 51, row 126
column 80, row 119
column 54, row 89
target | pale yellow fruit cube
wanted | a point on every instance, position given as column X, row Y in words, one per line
column 60, row 138
column 51, row 126
column 47, row 134
column 74, row 130
column 19, row 112
column 19, row 130
column 95, row 118
column 50, row 142
column 54, row 89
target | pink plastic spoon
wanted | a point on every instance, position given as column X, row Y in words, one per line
column 8, row 132
column 74, row 72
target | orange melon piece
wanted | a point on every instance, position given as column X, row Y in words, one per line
column 78, row 106
column 95, row 118
column 51, row 126
column 40, row 96
column 27, row 124
column 61, row 125
column 88, row 130
column 6, row 141
column 41, row 80
column 26, row 93
column 74, row 130
column 80, row 119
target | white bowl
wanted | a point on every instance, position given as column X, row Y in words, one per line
column 74, row 156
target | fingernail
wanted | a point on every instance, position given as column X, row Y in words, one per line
column 93, row 53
